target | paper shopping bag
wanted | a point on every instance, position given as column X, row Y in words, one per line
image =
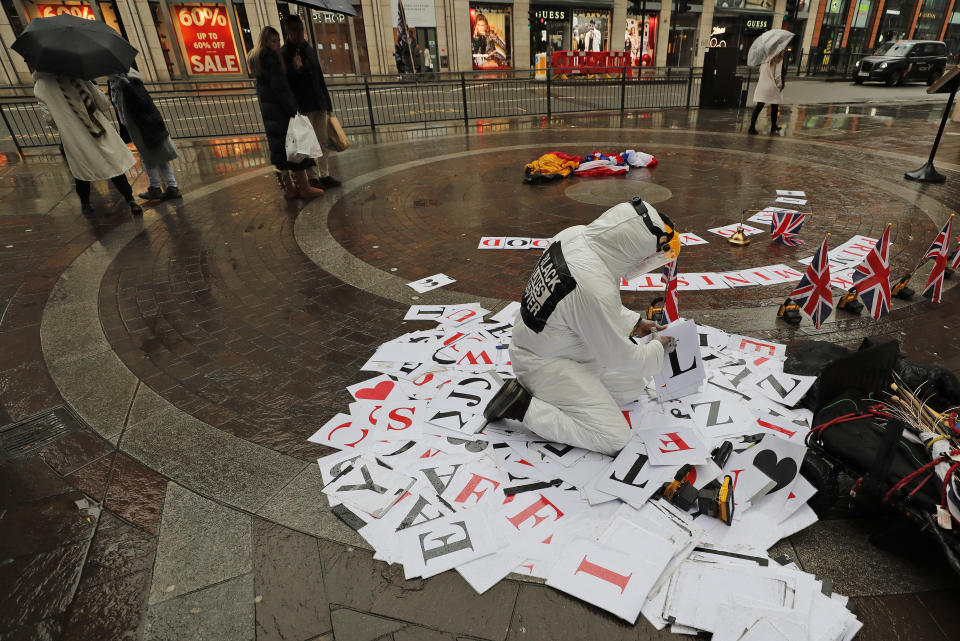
column 338, row 139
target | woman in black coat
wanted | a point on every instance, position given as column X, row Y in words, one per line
column 277, row 106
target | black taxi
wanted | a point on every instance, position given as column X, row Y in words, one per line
column 898, row 60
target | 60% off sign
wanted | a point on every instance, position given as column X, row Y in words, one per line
column 208, row 40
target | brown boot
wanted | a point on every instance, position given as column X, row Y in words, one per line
column 304, row 190
column 286, row 185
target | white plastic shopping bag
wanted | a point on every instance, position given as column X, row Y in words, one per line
column 301, row 140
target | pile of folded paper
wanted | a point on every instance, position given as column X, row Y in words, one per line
column 676, row 526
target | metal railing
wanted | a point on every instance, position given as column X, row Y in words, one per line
column 229, row 110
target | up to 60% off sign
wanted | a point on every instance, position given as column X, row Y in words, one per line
column 207, row 40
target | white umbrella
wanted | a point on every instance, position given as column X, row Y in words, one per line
column 767, row 45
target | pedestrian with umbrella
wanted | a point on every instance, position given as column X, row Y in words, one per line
column 67, row 53
column 767, row 53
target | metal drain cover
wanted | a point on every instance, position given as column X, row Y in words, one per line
column 34, row 432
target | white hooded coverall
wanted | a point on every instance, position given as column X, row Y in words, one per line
column 571, row 348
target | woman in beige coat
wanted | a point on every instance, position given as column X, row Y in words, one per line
column 769, row 91
column 91, row 145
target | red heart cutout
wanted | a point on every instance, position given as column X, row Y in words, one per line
column 379, row 392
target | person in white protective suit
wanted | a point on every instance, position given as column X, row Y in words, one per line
column 571, row 347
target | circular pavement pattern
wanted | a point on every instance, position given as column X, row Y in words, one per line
column 243, row 312
column 609, row 191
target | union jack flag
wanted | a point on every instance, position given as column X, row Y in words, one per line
column 955, row 261
column 671, row 310
column 938, row 252
column 785, row 225
column 872, row 277
column 813, row 293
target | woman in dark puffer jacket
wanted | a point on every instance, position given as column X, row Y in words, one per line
column 277, row 106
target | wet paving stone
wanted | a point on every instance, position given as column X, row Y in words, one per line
column 38, row 586
column 112, row 610
column 444, row 602
column 136, row 493
column 288, row 581
column 896, row 618
column 942, row 606
column 49, row 630
column 28, row 479
column 118, row 550
column 544, row 613
column 223, row 612
column 75, row 450
column 44, row 525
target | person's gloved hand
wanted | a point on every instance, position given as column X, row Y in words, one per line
column 669, row 343
column 644, row 327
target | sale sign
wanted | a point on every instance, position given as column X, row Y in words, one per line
column 207, row 39
column 79, row 10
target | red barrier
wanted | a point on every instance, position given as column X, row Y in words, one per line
column 587, row 62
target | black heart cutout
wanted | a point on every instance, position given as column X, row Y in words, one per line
column 782, row 472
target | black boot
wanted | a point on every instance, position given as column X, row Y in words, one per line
column 774, row 115
column 511, row 401
column 753, row 118
column 172, row 193
column 152, row 193
column 135, row 209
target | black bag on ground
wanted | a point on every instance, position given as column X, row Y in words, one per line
column 872, row 448
column 868, row 369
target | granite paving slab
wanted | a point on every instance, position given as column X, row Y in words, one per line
column 838, row 549
column 302, row 506
column 201, row 543
column 208, row 460
column 444, row 602
column 291, row 601
column 222, row 612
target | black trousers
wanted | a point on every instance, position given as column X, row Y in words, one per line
column 120, row 182
column 774, row 114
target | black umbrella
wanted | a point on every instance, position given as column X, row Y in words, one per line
column 333, row 6
column 72, row 46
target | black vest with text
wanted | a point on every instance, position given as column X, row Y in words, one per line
column 550, row 282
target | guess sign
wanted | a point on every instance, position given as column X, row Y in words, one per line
column 207, row 39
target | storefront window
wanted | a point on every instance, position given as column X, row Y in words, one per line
column 206, row 39
column 834, row 21
column 952, row 36
column 682, row 45
column 167, row 42
column 641, row 42
column 930, row 19
column 895, row 21
column 591, row 30
column 550, row 31
column 13, row 17
column 244, row 25
column 79, row 9
column 491, row 26
column 859, row 25
column 332, row 35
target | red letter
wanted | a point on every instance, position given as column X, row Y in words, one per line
column 406, row 421
column 348, row 424
column 673, row 437
column 757, row 346
column 531, row 512
column 470, row 489
column 609, row 576
column 775, row 428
